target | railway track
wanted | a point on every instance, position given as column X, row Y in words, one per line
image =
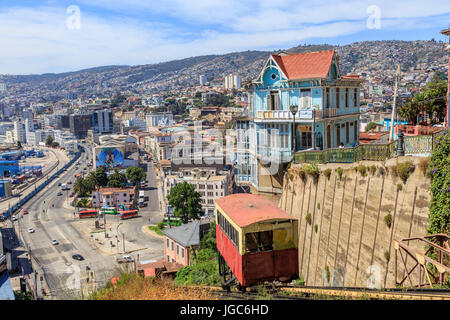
column 287, row 292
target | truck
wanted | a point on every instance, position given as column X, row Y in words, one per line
column 124, row 259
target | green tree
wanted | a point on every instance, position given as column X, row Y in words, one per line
column 117, row 179
column 81, row 187
column 48, row 141
column 185, row 201
column 55, row 144
column 209, row 240
column 371, row 125
column 19, row 144
column 135, row 175
column 431, row 101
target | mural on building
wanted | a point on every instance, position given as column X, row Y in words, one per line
column 109, row 157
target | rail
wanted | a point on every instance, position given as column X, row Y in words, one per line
column 416, row 145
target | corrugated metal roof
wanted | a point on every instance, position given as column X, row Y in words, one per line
column 187, row 234
column 245, row 209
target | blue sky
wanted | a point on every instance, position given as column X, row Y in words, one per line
column 44, row 36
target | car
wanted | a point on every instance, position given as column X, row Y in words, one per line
column 54, row 242
column 70, row 182
column 78, row 257
column 14, row 218
column 59, row 194
column 25, row 211
column 71, row 194
column 30, row 230
column 59, row 184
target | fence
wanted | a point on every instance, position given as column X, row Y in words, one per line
column 23, row 201
column 414, row 145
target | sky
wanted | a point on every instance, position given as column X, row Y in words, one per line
column 57, row 36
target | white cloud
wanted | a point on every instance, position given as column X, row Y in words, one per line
column 36, row 40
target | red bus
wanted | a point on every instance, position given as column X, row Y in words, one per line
column 87, row 214
column 128, row 214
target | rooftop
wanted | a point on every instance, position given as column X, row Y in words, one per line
column 245, row 209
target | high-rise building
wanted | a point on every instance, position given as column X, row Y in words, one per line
column 80, row 124
column 102, row 121
column 3, row 86
column 203, row 80
column 19, row 132
column 232, row 81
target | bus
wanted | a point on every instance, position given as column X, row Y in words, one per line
column 108, row 210
column 174, row 221
column 87, row 214
column 128, row 214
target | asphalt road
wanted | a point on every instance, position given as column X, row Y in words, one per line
column 63, row 274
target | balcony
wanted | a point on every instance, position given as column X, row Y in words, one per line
column 302, row 114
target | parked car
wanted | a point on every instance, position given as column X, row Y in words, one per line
column 59, row 194
column 124, row 259
column 78, row 257
column 55, row 242
column 59, row 184
column 30, row 230
column 71, row 194
column 70, row 182
column 25, row 211
column 14, row 218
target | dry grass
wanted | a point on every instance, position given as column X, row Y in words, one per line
column 135, row 287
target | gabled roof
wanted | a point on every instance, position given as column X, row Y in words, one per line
column 187, row 234
column 245, row 209
column 307, row 65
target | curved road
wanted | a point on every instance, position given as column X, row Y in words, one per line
column 63, row 274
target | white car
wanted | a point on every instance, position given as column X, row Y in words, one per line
column 14, row 218
column 30, row 230
column 55, row 242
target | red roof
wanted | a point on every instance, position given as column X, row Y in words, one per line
column 307, row 65
column 245, row 209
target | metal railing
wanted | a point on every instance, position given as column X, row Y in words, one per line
column 415, row 145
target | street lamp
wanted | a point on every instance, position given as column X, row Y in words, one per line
column 293, row 109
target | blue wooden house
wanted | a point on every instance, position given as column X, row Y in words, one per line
column 327, row 114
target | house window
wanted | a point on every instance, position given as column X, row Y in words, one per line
column 355, row 130
column 327, row 97
column 305, row 98
column 347, row 133
column 337, row 97
column 168, row 259
column 355, row 97
column 346, row 97
column 167, row 243
column 259, row 241
column 172, row 246
column 178, row 250
column 182, row 252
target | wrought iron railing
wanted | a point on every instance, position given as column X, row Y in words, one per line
column 378, row 152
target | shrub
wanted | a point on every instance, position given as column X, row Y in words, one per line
column 327, row 173
column 439, row 171
column 404, row 169
column 399, row 187
column 308, row 218
column 424, row 163
column 312, row 170
column 387, row 256
column 362, row 170
column 381, row 171
column 302, row 174
column 318, row 206
column 339, row 172
column 373, row 169
column 316, row 227
column 388, row 220
column 300, row 281
column 327, row 273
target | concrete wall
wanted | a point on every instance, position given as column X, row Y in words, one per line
column 349, row 213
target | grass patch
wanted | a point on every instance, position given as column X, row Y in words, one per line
column 156, row 229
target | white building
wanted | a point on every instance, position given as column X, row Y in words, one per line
column 103, row 121
column 232, row 81
column 19, row 132
column 3, row 86
column 158, row 119
column 203, row 80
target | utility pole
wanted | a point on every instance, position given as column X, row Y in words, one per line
column 397, row 76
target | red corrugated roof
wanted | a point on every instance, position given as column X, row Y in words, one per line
column 305, row 65
column 245, row 209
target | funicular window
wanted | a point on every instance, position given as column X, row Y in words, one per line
column 228, row 229
column 259, row 241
